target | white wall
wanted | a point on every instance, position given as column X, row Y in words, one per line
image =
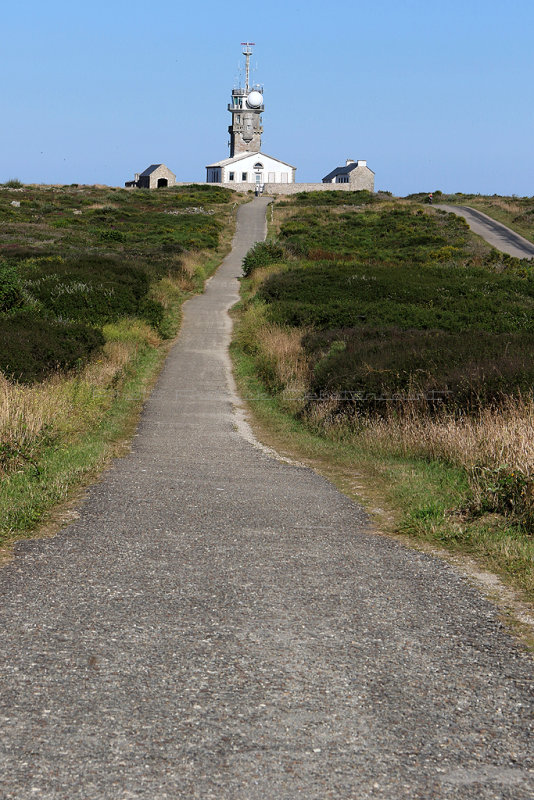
column 272, row 171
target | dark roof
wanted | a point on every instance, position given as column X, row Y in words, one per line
column 149, row 170
column 340, row 171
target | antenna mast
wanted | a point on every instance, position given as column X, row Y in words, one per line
column 247, row 52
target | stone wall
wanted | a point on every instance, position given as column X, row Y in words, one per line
column 359, row 178
column 294, row 188
column 364, row 180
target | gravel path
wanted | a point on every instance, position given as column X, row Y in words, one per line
column 222, row 625
column 495, row 233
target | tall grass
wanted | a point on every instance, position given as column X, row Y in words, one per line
column 495, row 447
column 63, row 406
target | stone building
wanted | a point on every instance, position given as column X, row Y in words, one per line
column 247, row 165
column 355, row 173
column 157, row 176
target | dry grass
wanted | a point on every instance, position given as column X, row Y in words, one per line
column 183, row 277
column 283, row 349
column 192, row 261
column 506, row 204
column 259, row 275
column 494, row 437
column 278, row 353
column 64, row 406
column 26, row 415
column 495, row 447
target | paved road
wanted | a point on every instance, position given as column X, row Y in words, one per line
column 222, row 625
column 497, row 234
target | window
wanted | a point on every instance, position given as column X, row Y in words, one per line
column 238, row 118
column 231, row 176
column 244, row 177
column 272, row 177
column 258, row 165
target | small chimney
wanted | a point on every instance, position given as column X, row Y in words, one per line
column 349, row 161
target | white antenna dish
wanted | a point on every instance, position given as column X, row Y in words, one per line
column 254, row 99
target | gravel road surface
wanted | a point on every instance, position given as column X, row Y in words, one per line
column 221, row 625
column 495, row 233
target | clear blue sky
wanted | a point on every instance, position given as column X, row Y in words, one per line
column 435, row 94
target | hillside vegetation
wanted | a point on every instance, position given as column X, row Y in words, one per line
column 515, row 212
column 91, row 284
column 384, row 325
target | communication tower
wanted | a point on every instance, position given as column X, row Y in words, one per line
column 246, row 109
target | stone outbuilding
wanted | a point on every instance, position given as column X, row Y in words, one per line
column 157, row 176
column 356, row 173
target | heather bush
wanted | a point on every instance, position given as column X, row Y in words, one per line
column 32, row 347
column 332, row 295
column 376, row 369
column 261, row 255
column 11, row 295
column 92, row 289
column 335, row 198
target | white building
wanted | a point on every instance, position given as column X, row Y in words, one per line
column 252, row 168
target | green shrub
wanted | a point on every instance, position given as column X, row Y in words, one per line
column 31, row 348
column 13, row 183
column 11, row 295
column 261, row 255
column 504, row 490
column 96, row 267
column 398, row 302
column 151, row 311
column 112, row 235
column 199, row 194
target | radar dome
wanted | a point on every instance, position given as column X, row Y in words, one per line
column 255, row 99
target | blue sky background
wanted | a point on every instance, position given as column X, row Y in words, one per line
column 434, row 94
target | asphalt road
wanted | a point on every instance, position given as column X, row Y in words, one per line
column 221, row 625
column 495, row 233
